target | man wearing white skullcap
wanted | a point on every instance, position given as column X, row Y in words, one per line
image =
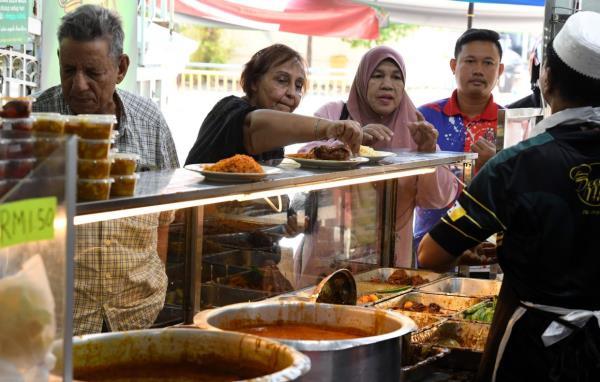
column 542, row 197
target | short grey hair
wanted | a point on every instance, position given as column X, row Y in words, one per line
column 89, row 22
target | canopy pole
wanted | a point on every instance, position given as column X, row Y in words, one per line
column 470, row 14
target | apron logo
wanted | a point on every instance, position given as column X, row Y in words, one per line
column 456, row 212
column 587, row 181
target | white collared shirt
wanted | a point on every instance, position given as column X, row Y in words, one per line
column 576, row 115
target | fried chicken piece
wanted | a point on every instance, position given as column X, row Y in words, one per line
column 334, row 152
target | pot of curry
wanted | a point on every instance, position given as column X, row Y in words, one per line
column 343, row 342
column 183, row 354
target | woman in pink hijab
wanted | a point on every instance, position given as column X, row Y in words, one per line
column 378, row 101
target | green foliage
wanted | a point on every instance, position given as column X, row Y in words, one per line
column 211, row 44
column 391, row 33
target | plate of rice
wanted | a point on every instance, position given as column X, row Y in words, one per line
column 373, row 155
column 236, row 169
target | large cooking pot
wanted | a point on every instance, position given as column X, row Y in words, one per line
column 180, row 354
column 376, row 357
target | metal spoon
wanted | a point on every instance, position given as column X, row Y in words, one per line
column 337, row 288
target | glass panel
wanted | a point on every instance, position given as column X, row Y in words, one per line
column 35, row 284
column 265, row 247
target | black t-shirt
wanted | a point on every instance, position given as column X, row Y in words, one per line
column 221, row 134
column 544, row 195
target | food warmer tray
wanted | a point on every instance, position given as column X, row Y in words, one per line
column 213, row 295
column 416, row 368
column 462, row 286
column 365, row 286
column 471, row 338
column 235, row 261
column 450, row 305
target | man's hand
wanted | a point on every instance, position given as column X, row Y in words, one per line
column 482, row 254
column 375, row 132
column 423, row 134
column 346, row 131
column 485, row 150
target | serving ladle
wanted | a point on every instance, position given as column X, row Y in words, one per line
column 337, row 288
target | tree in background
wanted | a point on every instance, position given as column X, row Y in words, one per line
column 392, row 32
column 211, row 45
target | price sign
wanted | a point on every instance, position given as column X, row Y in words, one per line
column 27, row 220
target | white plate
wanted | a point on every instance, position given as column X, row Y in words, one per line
column 232, row 177
column 379, row 155
column 329, row 164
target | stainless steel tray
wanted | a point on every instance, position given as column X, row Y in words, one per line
column 471, row 336
column 450, row 305
column 365, row 285
column 211, row 270
column 246, row 259
column 462, row 286
column 244, row 240
column 214, row 295
column 461, row 315
column 255, row 280
column 416, row 368
column 424, row 320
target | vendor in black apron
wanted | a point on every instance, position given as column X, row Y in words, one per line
column 544, row 196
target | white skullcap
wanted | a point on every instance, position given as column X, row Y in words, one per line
column 578, row 43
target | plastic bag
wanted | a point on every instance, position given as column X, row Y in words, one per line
column 27, row 320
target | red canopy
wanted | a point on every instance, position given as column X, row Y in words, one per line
column 333, row 18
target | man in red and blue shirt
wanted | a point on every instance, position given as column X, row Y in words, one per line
column 467, row 120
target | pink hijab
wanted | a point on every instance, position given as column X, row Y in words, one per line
column 359, row 108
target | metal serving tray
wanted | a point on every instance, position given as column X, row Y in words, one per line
column 462, row 286
column 252, row 279
column 471, row 336
column 214, row 295
column 365, row 285
column 416, row 368
column 246, row 259
column 244, row 240
column 450, row 305
column 461, row 315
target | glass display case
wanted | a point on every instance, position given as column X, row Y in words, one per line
column 37, row 204
column 243, row 242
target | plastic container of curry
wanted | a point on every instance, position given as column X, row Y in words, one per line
column 344, row 342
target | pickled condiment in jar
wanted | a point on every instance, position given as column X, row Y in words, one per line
column 124, row 185
column 93, row 168
column 93, row 148
column 123, row 163
column 93, row 189
column 52, row 123
column 96, row 126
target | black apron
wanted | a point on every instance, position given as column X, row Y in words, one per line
column 525, row 357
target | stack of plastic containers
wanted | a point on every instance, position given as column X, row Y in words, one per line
column 93, row 149
column 17, row 157
column 122, row 170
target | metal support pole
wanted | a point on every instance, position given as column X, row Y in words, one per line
column 388, row 232
column 193, row 263
column 470, row 15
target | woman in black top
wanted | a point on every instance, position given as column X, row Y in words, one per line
column 260, row 123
